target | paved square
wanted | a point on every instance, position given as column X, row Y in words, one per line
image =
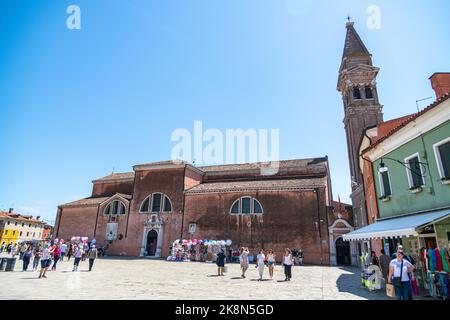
column 121, row 278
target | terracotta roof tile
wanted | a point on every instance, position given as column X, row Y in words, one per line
column 258, row 185
column 117, row 176
column 86, row 202
column 19, row 217
column 408, row 120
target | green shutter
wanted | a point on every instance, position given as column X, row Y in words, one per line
column 444, row 151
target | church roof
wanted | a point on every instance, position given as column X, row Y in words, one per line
column 259, row 185
column 353, row 43
column 283, row 164
column 93, row 201
column 117, row 176
column 312, row 166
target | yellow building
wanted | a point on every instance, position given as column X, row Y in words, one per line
column 16, row 228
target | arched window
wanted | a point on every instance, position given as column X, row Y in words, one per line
column 246, row 206
column 356, row 93
column 114, row 208
column 155, row 203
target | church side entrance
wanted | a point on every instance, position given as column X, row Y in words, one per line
column 343, row 252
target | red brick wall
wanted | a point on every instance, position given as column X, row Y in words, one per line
column 191, row 178
column 76, row 222
column 288, row 222
column 111, row 188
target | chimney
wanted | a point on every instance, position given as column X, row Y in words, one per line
column 440, row 82
column 10, row 210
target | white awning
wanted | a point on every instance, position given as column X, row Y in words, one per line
column 407, row 226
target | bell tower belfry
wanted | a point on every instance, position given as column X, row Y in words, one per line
column 358, row 86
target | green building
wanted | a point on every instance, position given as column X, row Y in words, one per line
column 410, row 174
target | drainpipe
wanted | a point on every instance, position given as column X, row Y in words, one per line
column 182, row 203
column 316, row 190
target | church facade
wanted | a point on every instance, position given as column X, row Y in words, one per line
column 141, row 213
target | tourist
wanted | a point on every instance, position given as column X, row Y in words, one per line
column 46, row 261
column 2, row 247
column 260, row 263
column 63, row 251
column 9, row 248
column 23, row 248
column 287, row 262
column 93, row 254
column 385, row 260
column 37, row 257
column 243, row 260
column 15, row 250
column 270, row 262
column 399, row 270
column 373, row 260
column 27, row 257
column 300, row 257
column 56, row 255
column 85, row 251
column 69, row 252
column 78, row 256
column 221, row 262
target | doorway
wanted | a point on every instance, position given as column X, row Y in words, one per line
column 343, row 252
column 152, row 240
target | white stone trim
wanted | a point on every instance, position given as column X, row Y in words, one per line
column 437, row 156
column 408, row 169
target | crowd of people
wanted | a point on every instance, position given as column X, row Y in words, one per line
column 264, row 259
column 49, row 253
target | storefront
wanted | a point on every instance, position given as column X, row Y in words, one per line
column 425, row 238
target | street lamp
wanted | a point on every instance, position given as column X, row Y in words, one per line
column 382, row 166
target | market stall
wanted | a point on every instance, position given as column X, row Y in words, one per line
column 197, row 250
column 425, row 241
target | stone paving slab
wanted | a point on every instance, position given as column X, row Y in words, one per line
column 120, row 278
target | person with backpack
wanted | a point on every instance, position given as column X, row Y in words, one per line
column 221, row 262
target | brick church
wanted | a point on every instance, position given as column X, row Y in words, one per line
column 146, row 210
column 141, row 213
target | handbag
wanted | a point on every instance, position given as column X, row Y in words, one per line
column 397, row 281
column 390, row 290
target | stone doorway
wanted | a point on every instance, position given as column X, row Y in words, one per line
column 343, row 256
column 152, row 241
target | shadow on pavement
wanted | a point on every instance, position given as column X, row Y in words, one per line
column 351, row 283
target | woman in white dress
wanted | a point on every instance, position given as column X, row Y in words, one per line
column 260, row 263
column 243, row 259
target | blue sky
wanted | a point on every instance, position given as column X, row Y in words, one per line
column 76, row 103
